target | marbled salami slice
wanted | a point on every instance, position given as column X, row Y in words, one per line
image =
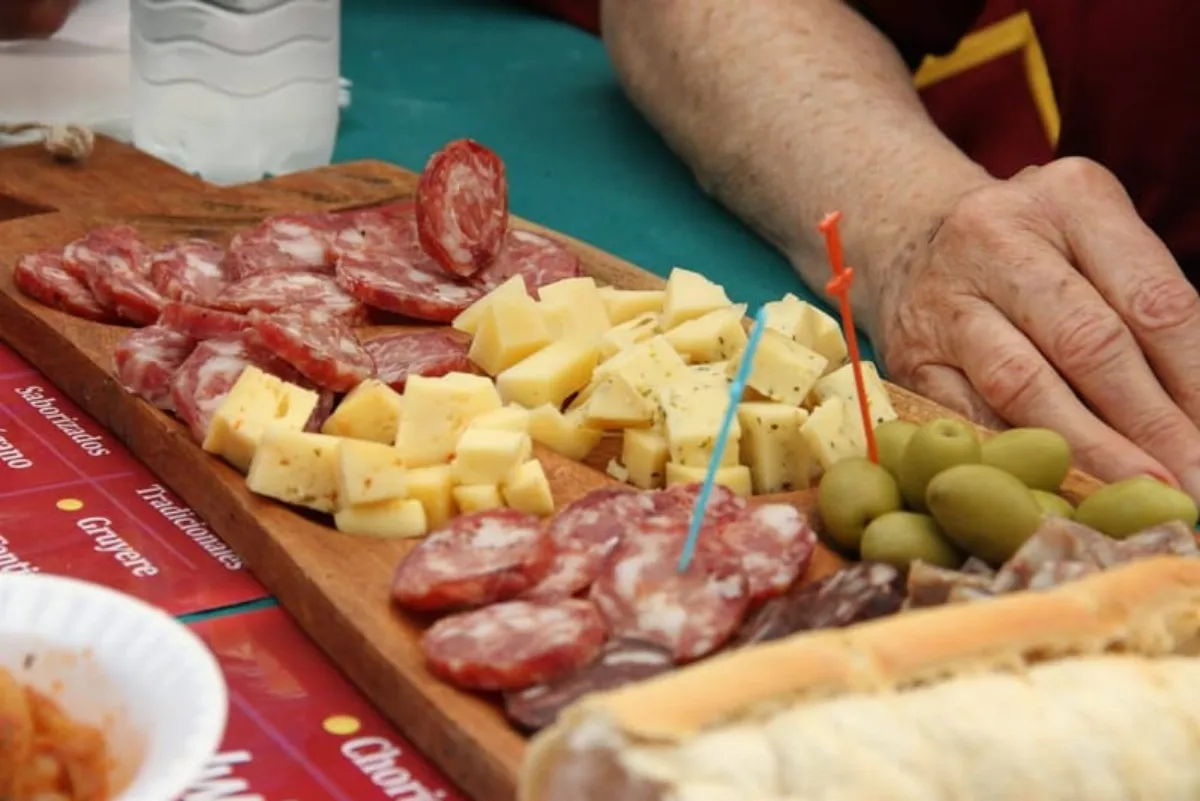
column 201, row 322
column 429, row 353
column 318, row 344
column 679, row 502
column 41, row 276
column 189, row 271
column 116, row 266
column 773, row 544
column 277, row 291
column 147, row 359
column 288, row 243
column 206, row 376
column 473, row 560
column 515, row 644
column 536, row 258
column 462, row 207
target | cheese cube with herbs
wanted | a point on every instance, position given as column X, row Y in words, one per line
column 623, row 305
column 256, row 401
column 830, row 433
column 508, row 418
column 551, row 375
column 840, row 384
column 400, row 518
column 716, row 336
column 644, row 455
column 646, row 365
column 616, row 404
column 784, row 315
column 432, row 486
column 510, row 330
column 370, row 411
column 468, row 320
column 296, row 467
column 692, row 421
column 783, row 370
column 437, row 411
column 689, row 295
column 735, row 477
column 368, row 472
column 477, row 497
column 773, row 449
column 629, row 333
column 565, row 434
column 527, row 489
column 574, row 309
column 486, row 456
column 823, row 334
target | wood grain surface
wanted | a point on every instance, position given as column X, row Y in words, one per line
column 335, row 585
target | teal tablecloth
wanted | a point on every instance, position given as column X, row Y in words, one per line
column 542, row 94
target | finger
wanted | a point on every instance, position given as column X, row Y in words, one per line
column 33, row 19
column 949, row 387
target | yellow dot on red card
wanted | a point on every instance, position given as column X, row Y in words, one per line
column 341, row 724
column 69, row 504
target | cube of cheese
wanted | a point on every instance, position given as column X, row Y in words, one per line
column 371, row 411
column 397, row 517
column 784, row 315
column 550, row 375
column 646, row 365
column 689, row 295
column 778, row 456
column 511, row 329
column 625, row 304
column 573, row 309
column 431, row 486
column 840, row 384
column 783, row 370
column 822, row 334
column 692, row 421
column 468, row 320
column 486, row 456
column 368, row 472
column 716, row 336
column 644, row 454
column 477, row 497
column 527, row 489
column 436, row 411
column 629, row 333
column 830, row 435
column 735, row 477
column 564, row 434
column 296, row 467
column 616, row 404
column 256, row 401
column 700, row 377
column 508, row 418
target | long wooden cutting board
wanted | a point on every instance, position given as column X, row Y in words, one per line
column 335, row 585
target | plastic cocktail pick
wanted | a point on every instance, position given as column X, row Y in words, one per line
column 839, row 287
column 735, row 397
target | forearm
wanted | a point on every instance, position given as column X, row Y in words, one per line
column 787, row 109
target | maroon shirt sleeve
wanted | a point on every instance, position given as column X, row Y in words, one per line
column 583, row 13
column 921, row 28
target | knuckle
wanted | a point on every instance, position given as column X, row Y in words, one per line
column 1076, row 174
column 1088, row 340
column 1163, row 303
column 1008, row 382
column 976, row 211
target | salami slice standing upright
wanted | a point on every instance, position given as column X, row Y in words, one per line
column 147, row 359
column 462, row 207
column 429, row 353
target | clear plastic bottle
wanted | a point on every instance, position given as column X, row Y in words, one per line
column 233, row 90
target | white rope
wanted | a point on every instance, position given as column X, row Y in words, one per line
column 64, row 142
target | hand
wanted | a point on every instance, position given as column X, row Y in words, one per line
column 33, row 19
column 1045, row 301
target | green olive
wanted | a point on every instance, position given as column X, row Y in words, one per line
column 901, row 538
column 984, row 510
column 935, row 446
column 1041, row 458
column 1053, row 504
column 891, row 438
column 1135, row 504
column 852, row 493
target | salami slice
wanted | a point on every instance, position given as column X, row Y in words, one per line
column 462, row 207
column 288, row 243
column 206, row 376
column 429, row 353
column 621, row 661
column 116, row 266
column 773, row 544
column 515, row 644
column 536, row 258
column 41, row 276
column 189, row 271
column 276, row 291
column 201, row 322
column 147, row 359
column 319, row 345
column 723, row 506
column 475, row 559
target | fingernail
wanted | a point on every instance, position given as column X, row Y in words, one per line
column 1165, row 478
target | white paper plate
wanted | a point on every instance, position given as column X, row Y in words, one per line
column 120, row 664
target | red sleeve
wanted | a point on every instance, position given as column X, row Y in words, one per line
column 583, row 13
column 921, row 28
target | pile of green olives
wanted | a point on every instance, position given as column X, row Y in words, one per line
column 940, row 494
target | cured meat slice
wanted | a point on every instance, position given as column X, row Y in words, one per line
column 115, row 264
column 462, row 207
column 723, row 504
column 515, row 644
column 118, row 239
column 622, row 661
column 272, row 292
column 201, row 322
column 189, row 271
column 585, row 533
column 429, row 353
column 536, row 258
column 288, row 243
column 147, row 359
column 41, row 276
column 475, row 559
column 325, row 403
column 773, row 544
column 318, row 344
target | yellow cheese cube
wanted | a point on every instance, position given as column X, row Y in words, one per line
column 689, row 295
column 564, row 434
column 436, row 411
column 368, row 472
column 644, row 454
column 646, row 365
column 700, row 377
column 735, row 477
column 616, row 404
column 510, row 330
column 830, row 435
column 822, row 334
column 713, row 337
column 784, row 315
column 256, row 401
column 629, row 333
column 477, row 497
column 397, row 517
column 783, row 370
column 431, row 486
column 693, row 420
column 296, row 467
column 625, row 304
column 773, row 448
column 574, row 309
column 371, row 411
column 508, row 418
column 527, row 489
column 468, row 320
column 550, row 375
column 840, row 384
column 486, row 456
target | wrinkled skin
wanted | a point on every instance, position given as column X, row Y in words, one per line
column 33, row 19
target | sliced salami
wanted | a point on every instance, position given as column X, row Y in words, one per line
column 326, row 400
column 147, row 359
column 41, row 276
column 201, row 322
column 515, row 644
column 288, row 243
column 621, row 661
column 462, row 207
column 318, row 344
column 116, row 266
column 536, row 258
column 475, row 559
column 272, row 292
column 773, row 544
column 672, row 508
column 189, row 271
column 429, row 353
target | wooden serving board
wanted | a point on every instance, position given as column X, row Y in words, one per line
column 335, row 585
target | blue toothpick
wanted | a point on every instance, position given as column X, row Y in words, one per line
column 735, row 397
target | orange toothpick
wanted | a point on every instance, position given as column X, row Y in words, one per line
column 839, row 287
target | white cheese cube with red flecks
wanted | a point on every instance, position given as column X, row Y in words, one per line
column 371, row 411
column 257, row 400
column 400, row 518
column 573, row 308
column 734, row 477
column 511, row 329
column 623, row 305
column 468, row 320
column 296, row 467
column 782, row 370
column 487, row 456
column 551, row 375
column 368, row 472
column 831, row 434
column 692, row 423
column 527, row 489
column 622, row 337
column 841, row 384
column 432, row 487
column 477, row 497
column 437, row 411
column 565, row 434
column 772, row 446
column 617, row 404
column 713, row 337
column 689, row 295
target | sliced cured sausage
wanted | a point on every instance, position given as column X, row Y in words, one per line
column 147, row 359
column 201, row 322
column 429, row 353
column 621, row 661
column 773, row 544
column 462, row 207
column 679, row 502
column 276, row 291
column 536, row 258
column 41, row 276
column 288, row 243
column 189, row 271
column 116, row 265
column 515, row 644
column 473, row 560
column 318, row 344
